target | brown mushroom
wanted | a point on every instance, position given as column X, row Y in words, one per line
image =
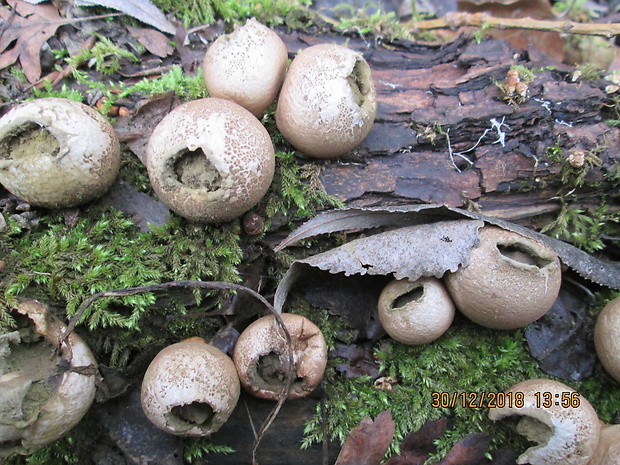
column 246, row 67
column 57, row 153
column 262, row 361
column 327, row 104
column 210, row 160
column 190, row 388
column 510, row 281
column 415, row 312
column 562, row 422
column 46, row 384
column 607, row 338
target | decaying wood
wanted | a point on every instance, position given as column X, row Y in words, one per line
column 446, row 134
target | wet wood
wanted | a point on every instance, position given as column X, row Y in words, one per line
column 444, row 132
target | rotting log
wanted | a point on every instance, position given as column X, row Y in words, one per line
column 445, row 133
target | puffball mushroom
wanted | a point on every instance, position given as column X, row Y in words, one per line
column 510, row 281
column 190, row 388
column 608, row 450
column 327, row 104
column 246, row 67
column 46, row 386
column 415, row 312
column 566, row 434
column 607, row 338
column 262, row 361
column 57, row 153
column 210, row 160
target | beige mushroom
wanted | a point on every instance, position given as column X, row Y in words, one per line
column 210, row 160
column 415, row 312
column 562, row 422
column 246, row 66
column 608, row 450
column 57, row 153
column 261, row 356
column 607, row 338
column 327, row 104
column 510, row 281
column 46, row 386
column 190, row 388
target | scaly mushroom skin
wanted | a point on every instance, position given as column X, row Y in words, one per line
column 45, row 387
column 607, row 338
column 190, row 388
column 57, row 153
column 565, row 435
column 608, row 450
column 261, row 356
column 327, row 104
column 246, row 67
column 210, row 160
column 510, row 281
column 415, row 312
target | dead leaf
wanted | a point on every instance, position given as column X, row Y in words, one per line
column 28, row 27
column 382, row 257
column 468, row 451
column 135, row 130
column 154, row 41
column 144, row 10
column 418, row 445
column 368, row 442
column 550, row 43
column 359, row 360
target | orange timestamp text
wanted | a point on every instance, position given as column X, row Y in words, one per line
column 503, row 399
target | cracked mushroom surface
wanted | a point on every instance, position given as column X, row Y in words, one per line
column 57, row 153
column 327, row 104
column 607, row 338
column 190, row 388
column 510, row 282
column 46, row 387
column 210, row 160
column 261, row 356
column 415, row 312
column 246, row 66
column 566, row 434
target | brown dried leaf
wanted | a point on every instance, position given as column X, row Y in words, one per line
column 28, row 27
column 144, row 10
column 468, row 451
column 136, row 129
column 154, row 41
column 368, row 442
column 418, row 445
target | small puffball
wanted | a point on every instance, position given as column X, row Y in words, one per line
column 246, row 67
column 57, row 153
column 327, row 105
column 607, row 338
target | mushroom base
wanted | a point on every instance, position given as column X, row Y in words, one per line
column 194, row 170
column 30, row 140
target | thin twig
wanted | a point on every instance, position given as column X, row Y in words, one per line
column 208, row 285
column 456, row 20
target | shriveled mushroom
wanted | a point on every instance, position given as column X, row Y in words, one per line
column 190, row 388
column 327, row 104
column 415, row 312
column 510, row 281
column 46, row 386
column 57, row 153
column 562, row 422
column 608, row 450
column 607, row 338
column 261, row 356
column 210, row 160
column 246, row 66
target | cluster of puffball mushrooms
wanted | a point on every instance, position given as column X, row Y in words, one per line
column 211, row 160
